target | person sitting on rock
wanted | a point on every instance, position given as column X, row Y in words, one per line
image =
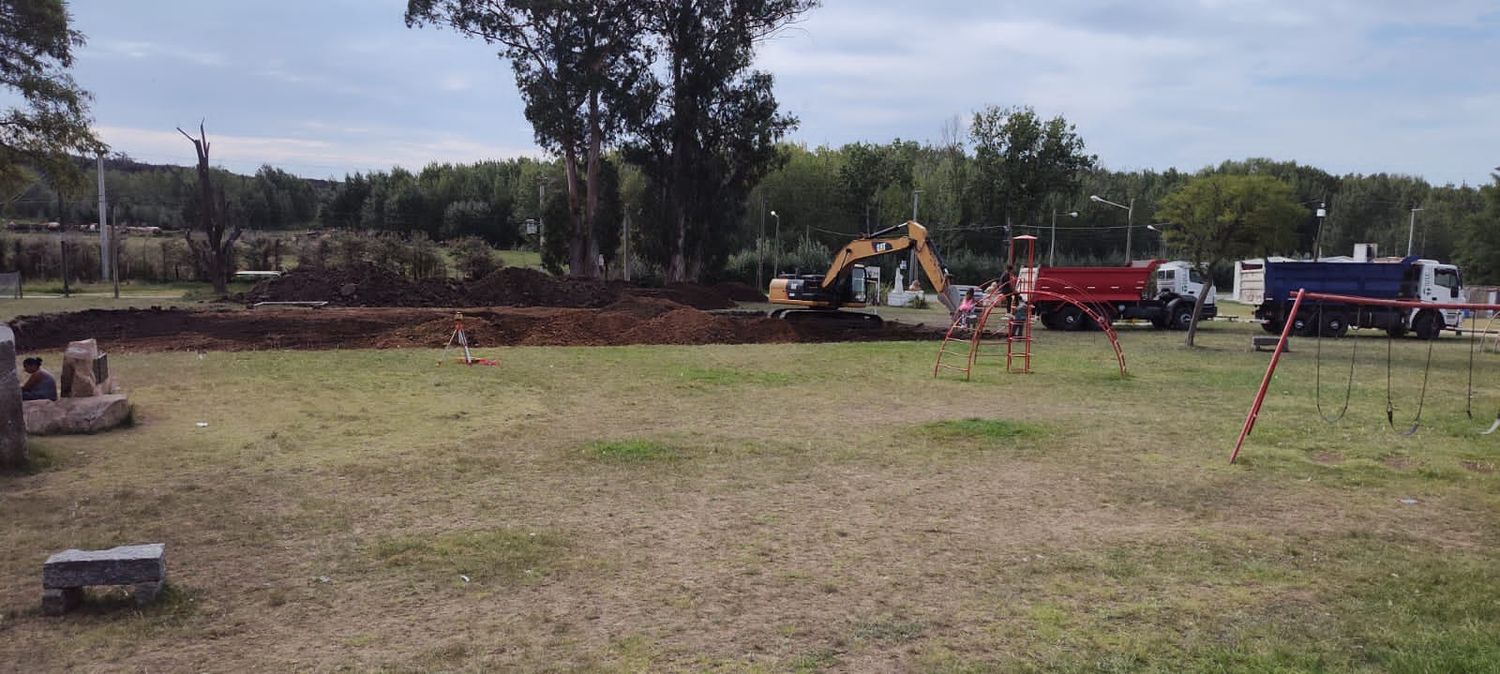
column 41, row 385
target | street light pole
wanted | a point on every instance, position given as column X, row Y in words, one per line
column 776, row 263
column 1411, row 229
column 760, row 246
column 1052, row 245
column 1318, row 236
column 1129, row 219
column 911, row 255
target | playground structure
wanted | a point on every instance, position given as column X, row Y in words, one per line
column 965, row 338
column 1301, row 296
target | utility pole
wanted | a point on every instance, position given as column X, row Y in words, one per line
column 104, row 249
column 114, row 253
column 1318, row 236
column 626, row 242
column 912, row 254
column 760, row 246
column 1411, row 229
column 1129, row 228
column 777, row 251
column 541, row 226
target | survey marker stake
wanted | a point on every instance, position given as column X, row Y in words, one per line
column 460, row 338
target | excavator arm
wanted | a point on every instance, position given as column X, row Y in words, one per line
column 875, row 245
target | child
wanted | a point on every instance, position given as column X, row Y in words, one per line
column 41, row 385
column 966, row 309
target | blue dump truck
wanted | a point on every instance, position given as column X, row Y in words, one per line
column 1406, row 279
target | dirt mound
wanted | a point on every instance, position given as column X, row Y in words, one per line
column 739, row 292
column 631, row 320
column 517, row 287
column 362, row 286
column 371, row 286
column 687, row 294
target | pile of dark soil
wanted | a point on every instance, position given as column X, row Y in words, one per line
column 631, row 320
column 370, row 286
column 517, row 287
column 687, row 294
column 362, row 286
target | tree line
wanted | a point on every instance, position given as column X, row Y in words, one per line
column 668, row 144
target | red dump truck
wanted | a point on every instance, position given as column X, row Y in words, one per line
column 1156, row 291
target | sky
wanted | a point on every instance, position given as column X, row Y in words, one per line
column 326, row 87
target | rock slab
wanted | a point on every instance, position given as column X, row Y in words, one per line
column 65, row 574
column 12, row 418
column 76, row 415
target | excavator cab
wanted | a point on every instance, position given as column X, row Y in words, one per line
column 808, row 290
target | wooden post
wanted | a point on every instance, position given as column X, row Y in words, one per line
column 64, row 245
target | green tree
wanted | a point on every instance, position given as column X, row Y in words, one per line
column 1480, row 257
column 711, row 125
column 580, row 65
column 50, row 124
column 1022, row 160
column 1214, row 218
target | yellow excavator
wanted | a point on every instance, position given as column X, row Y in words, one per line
column 820, row 296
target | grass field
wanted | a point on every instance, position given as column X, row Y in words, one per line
column 772, row 509
column 48, row 298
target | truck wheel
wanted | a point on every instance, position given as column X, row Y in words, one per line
column 1071, row 318
column 1302, row 325
column 1427, row 326
column 1049, row 319
column 1397, row 330
column 1181, row 315
column 1159, row 322
column 1335, row 324
column 1273, row 328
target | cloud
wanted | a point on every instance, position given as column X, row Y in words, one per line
column 1347, row 85
column 1181, row 83
column 153, row 50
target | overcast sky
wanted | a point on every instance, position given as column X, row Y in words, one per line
column 324, row 87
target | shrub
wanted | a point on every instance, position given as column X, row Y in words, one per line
column 473, row 257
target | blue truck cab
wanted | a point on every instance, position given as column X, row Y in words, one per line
column 1410, row 278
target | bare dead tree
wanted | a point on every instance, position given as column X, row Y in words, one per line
column 215, row 252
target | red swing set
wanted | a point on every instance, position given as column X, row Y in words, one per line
column 1304, row 296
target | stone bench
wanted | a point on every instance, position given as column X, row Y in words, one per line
column 144, row 567
column 1268, row 342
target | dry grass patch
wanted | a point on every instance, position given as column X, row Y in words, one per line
column 503, row 555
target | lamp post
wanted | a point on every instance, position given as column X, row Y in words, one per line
column 1318, row 237
column 1052, row 245
column 776, row 263
column 1162, row 245
column 1129, row 219
column 1412, row 228
column 760, row 246
column 911, row 255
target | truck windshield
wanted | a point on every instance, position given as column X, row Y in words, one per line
column 1446, row 278
column 1194, row 276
